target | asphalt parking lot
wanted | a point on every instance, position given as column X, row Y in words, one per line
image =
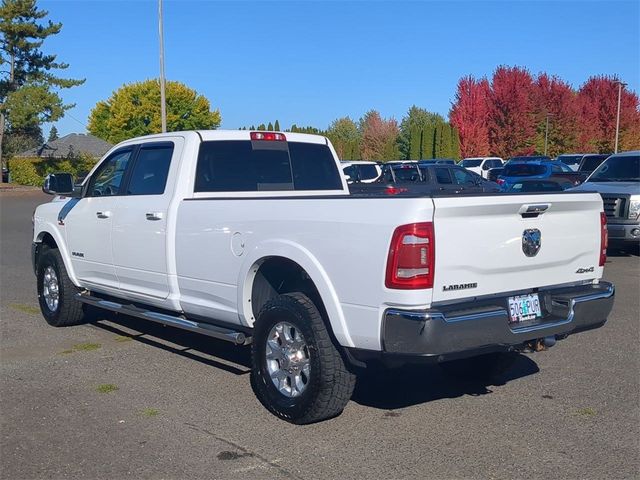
column 121, row 398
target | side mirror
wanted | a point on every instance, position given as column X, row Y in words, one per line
column 58, row 184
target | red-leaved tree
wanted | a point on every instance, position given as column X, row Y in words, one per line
column 555, row 99
column 469, row 114
column 512, row 123
column 379, row 137
column 598, row 106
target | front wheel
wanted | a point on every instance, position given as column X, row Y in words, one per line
column 56, row 291
column 297, row 372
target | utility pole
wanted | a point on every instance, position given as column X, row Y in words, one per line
column 546, row 133
column 620, row 85
column 163, row 103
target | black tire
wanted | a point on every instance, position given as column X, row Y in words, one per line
column 329, row 385
column 68, row 311
column 481, row 368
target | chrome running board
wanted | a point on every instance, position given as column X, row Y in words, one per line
column 221, row 333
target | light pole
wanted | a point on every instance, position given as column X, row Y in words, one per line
column 620, row 85
column 546, row 133
column 163, row 106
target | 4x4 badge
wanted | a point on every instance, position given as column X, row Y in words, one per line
column 531, row 242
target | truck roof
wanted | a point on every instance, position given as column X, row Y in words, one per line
column 208, row 135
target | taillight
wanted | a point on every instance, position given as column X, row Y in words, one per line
column 391, row 190
column 268, row 136
column 604, row 239
column 411, row 257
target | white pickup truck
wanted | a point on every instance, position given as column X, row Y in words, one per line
column 253, row 237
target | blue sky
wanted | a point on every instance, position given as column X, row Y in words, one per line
column 310, row 62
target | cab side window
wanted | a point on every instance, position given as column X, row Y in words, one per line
column 150, row 170
column 462, row 176
column 107, row 179
column 443, row 176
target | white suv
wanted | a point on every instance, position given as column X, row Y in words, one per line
column 361, row 171
column 481, row 165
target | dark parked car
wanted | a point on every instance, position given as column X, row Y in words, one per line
column 438, row 161
column 592, row 161
column 5, row 174
column 539, row 186
column 571, row 160
column 426, row 178
column 494, row 173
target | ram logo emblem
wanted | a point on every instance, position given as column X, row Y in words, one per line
column 531, row 242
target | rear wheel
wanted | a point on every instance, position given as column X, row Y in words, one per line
column 482, row 367
column 56, row 291
column 297, row 372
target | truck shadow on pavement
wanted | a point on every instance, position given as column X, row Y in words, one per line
column 626, row 251
column 207, row 350
column 380, row 388
column 415, row 384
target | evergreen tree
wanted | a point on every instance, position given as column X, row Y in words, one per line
column 415, row 150
column 416, row 133
column 28, row 87
column 53, row 134
column 262, row 127
column 276, row 126
column 455, row 143
column 270, row 127
column 428, row 141
column 445, row 141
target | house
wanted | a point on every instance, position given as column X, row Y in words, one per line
column 69, row 145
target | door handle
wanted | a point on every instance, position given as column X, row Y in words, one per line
column 154, row 216
column 103, row 214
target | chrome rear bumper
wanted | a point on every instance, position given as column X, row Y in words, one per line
column 453, row 330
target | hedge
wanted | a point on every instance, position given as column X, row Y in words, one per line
column 31, row 171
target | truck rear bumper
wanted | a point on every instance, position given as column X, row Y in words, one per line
column 623, row 232
column 462, row 330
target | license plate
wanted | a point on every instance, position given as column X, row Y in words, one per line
column 524, row 307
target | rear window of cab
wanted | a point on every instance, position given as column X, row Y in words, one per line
column 524, row 170
column 255, row 166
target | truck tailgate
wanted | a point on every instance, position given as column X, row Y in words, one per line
column 480, row 249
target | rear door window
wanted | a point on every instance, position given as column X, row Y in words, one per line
column 151, row 169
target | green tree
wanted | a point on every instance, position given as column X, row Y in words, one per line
column 270, row 127
column 345, row 137
column 134, row 110
column 53, row 134
column 309, row 129
column 29, row 88
column 417, row 130
column 455, row 143
column 20, row 140
column 276, row 126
